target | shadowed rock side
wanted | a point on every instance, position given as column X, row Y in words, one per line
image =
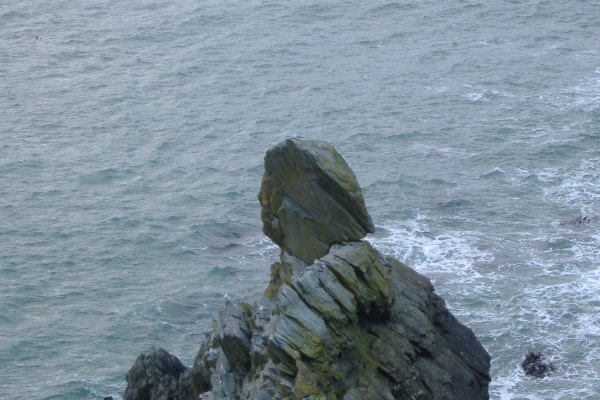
column 339, row 321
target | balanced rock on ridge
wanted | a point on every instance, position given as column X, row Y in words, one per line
column 339, row 320
column 310, row 199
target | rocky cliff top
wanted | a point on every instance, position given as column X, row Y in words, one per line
column 339, row 320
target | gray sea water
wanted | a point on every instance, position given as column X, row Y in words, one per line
column 132, row 135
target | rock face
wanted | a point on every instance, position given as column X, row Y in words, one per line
column 339, row 320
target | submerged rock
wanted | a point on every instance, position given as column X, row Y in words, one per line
column 339, row 320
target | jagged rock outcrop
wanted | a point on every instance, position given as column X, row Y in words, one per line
column 339, row 320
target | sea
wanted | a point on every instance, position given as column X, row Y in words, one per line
column 132, row 137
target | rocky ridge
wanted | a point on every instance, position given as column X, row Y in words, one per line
column 338, row 320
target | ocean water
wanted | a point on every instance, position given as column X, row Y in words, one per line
column 132, row 138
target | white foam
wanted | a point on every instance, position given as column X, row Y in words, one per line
column 571, row 187
column 262, row 246
column 584, row 95
column 492, row 172
column 475, row 96
column 484, row 94
column 438, row 89
column 448, row 257
column 578, row 187
column 455, row 152
column 549, row 301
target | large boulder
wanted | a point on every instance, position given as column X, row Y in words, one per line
column 310, row 199
column 157, row 375
column 339, row 320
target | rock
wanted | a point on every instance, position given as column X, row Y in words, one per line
column 310, row 199
column 157, row 375
column 357, row 325
column 339, row 320
column 534, row 365
column 582, row 220
column 578, row 222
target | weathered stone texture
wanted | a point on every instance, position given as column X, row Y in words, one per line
column 359, row 325
column 339, row 320
column 158, row 375
column 310, row 199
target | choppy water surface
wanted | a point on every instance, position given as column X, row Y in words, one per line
column 132, row 137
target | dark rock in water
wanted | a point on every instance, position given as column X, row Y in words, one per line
column 157, row 375
column 534, row 365
column 579, row 221
column 310, row 199
column 339, row 319
column 583, row 220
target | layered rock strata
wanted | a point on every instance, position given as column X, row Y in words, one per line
column 339, row 320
